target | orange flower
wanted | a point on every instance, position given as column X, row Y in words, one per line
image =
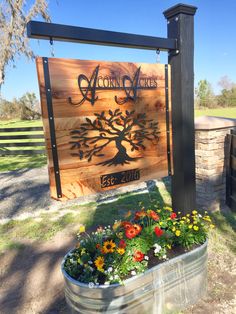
column 159, row 232
column 140, row 214
column 126, row 224
column 138, row 256
column 98, row 246
column 153, row 215
column 138, row 228
column 130, row 232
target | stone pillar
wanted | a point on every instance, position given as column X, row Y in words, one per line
column 210, row 147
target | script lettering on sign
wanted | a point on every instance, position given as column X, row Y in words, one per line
column 110, row 124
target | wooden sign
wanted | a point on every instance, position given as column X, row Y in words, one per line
column 106, row 124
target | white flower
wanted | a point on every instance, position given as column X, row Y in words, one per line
column 90, row 262
column 91, row 284
column 116, row 277
column 157, row 248
column 133, row 273
column 109, row 269
column 199, row 215
column 164, row 256
column 146, row 258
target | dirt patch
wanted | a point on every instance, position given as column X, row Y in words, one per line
column 31, row 280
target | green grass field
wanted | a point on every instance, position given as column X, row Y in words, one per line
column 218, row 112
column 19, row 162
column 10, row 163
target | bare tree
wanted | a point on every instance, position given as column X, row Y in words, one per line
column 13, row 20
column 226, row 83
column 93, row 136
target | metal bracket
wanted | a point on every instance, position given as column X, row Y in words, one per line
column 48, row 93
column 167, row 120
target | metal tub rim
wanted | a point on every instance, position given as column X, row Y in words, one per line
column 129, row 280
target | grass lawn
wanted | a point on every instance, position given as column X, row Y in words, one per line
column 9, row 163
column 218, row 112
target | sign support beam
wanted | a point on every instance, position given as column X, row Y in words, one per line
column 51, row 31
column 181, row 26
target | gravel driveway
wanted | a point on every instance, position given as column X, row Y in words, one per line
column 27, row 191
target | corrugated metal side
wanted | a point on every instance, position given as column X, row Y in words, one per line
column 170, row 286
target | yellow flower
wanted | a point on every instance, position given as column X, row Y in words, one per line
column 168, row 246
column 173, row 229
column 121, row 250
column 194, row 212
column 188, row 220
column 160, row 223
column 184, row 218
column 116, row 225
column 194, row 222
column 119, row 235
column 182, row 222
column 212, row 226
column 109, row 246
column 128, row 214
column 83, row 251
column 196, row 228
column 81, row 229
column 190, row 226
column 188, row 215
column 174, row 223
column 177, row 233
column 168, row 208
column 99, row 262
column 158, row 210
column 179, row 213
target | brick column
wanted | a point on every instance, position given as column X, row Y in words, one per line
column 210, row 148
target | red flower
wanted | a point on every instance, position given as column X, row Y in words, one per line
column 173, row 216
column 122, row 244
column 130, row 232
column 158, row 231
column 138, row 228
column 126, row 224
column 139, row 215
column 153, row 215
column 138, row 256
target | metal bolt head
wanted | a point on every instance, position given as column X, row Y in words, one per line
column 176, row 19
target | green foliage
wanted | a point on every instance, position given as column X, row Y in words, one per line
column 227, row 98
column 204, row 95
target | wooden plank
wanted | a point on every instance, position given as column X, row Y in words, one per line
column 25, row 129
column 21, row 152
column 110, row 123
column 22, row 144
column 21, row 137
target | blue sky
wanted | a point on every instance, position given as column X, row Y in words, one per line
column 215, row 37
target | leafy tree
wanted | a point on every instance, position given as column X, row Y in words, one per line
column 29, row 107
column 13, row 20
column 204, row 94
column 93, row 136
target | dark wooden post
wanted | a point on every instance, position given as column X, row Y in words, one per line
column 180, row 26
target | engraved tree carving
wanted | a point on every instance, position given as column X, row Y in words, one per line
column 93, row 136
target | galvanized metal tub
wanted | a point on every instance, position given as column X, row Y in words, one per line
column 166, row 288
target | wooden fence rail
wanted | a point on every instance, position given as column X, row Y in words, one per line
column 10, row 138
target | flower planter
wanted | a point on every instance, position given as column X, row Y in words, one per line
column 165, row 288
